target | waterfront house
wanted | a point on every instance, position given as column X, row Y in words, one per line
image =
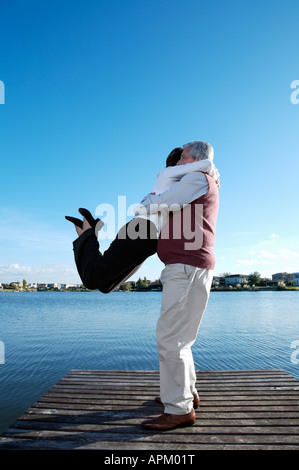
column 54, row 285
column 216, row 281
column 234, row 279
column 42, row 286
column 295, row 279
column 285, row 277
column 16, row 285
column 73, row 286
column 32, row 285
column 155, row 285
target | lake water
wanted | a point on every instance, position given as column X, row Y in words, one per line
column 46, row 334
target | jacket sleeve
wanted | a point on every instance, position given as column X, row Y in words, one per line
column 190, row 187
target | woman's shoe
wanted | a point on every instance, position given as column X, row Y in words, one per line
column 75, row 221
column 96, row 224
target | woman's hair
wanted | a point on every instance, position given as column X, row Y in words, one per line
column 174, row 156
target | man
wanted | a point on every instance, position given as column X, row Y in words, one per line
column 186, row 281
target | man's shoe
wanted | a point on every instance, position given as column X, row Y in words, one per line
column 196, row 400
column 168, row 421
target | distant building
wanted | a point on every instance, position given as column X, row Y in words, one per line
column 155, row 285
column 54, row 285
column 265, row 281
column 42, row 286
column 16, row 284
column 1, row 287
column 32, row 285
column 295, row 279
column 234, row 279
column 216, row 281
column 285, row 277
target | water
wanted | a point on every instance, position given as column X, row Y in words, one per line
column 46, row 334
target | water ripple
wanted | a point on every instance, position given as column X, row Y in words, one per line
column 46, row 334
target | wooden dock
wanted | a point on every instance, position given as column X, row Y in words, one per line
column 98, row 409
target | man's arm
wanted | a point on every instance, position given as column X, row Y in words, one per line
column 190, row 187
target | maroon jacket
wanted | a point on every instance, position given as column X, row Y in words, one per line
column 189, row 235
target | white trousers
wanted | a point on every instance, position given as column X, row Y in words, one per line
column 186, row 291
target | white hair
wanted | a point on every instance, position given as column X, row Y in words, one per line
column 200, row 149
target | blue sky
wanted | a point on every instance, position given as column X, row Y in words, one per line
column 97, row 93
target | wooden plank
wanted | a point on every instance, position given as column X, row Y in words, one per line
column 23, row 426
column 86, row 409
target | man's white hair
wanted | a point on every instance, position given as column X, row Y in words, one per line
column 200, row 149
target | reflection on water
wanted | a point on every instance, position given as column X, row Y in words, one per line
column 46, row 334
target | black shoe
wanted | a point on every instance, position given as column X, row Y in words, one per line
column 96, row 224
column 77, row 222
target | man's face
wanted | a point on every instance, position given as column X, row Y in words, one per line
column 186, row 157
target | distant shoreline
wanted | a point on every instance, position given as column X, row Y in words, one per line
column 213, row 289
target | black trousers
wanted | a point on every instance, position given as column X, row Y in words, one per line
column 124, row 256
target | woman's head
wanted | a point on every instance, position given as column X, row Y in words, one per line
column 174, row 156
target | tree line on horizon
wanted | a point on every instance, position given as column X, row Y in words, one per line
column 254, row 279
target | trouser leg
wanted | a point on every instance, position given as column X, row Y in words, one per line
column 185, row 295
column 105, row 271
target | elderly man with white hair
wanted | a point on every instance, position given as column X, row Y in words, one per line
column 186, row 281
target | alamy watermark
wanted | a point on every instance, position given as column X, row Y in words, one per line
column 295, row 94
column 2, row 353
column 295, row 354
column 180, row 226
column 2, row 92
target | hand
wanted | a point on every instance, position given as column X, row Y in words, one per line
column 145, row 197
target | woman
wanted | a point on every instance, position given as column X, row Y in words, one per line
column 124, row 256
